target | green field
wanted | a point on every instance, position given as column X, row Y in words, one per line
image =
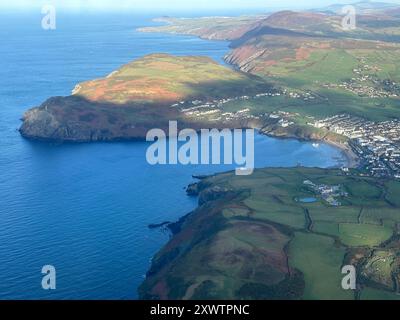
column 255, row 240
column 162, row 78
column 358, row 235
column 320, row 261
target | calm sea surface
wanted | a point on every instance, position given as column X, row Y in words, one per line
column 85, row 208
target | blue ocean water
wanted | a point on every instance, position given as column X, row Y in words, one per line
column 85, row 208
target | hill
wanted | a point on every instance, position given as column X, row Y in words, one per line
column 300, row 63
column 141, row 95
column 275, row 235
column 310, row 53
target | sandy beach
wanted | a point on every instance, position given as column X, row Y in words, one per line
column 353, row 159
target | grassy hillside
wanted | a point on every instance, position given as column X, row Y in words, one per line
column 140, row 96
column 162, row 79
column 256, row 238
column 352, row 71
column 347, row 70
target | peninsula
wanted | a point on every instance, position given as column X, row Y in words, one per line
column 143, row 95
column 282, row 234
column 286, row 233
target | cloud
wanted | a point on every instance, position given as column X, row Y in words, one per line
column 172, row 4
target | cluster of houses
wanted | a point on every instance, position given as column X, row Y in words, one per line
column 306, row 95
column 216, row 114
column 366, row 83
column 376, row 143
column 241, row 114
column 285, row 118
column 364, row 90
column 218, row 103
column 329, row 193
column 214, row 108
column 198, row 108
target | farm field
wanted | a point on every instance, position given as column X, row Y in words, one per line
column 251, row 238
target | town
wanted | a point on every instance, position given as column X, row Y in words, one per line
column 377, row 144
column 366, row 83
column 213, row 110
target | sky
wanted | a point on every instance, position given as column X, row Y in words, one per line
column 171, row 5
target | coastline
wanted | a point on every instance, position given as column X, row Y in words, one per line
column 127, row 196
column 177, row 266
column 353, row 160
column 142, row 139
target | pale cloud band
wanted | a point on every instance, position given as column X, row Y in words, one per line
column 172, row 4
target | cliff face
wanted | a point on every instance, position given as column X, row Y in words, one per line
column 74, row 119
column 245, row 57
column 40, row 123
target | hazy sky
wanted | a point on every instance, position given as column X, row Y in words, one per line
column 170, row 4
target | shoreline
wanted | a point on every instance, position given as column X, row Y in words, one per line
column 353, row 160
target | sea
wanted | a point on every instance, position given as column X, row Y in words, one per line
column 85, row 208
